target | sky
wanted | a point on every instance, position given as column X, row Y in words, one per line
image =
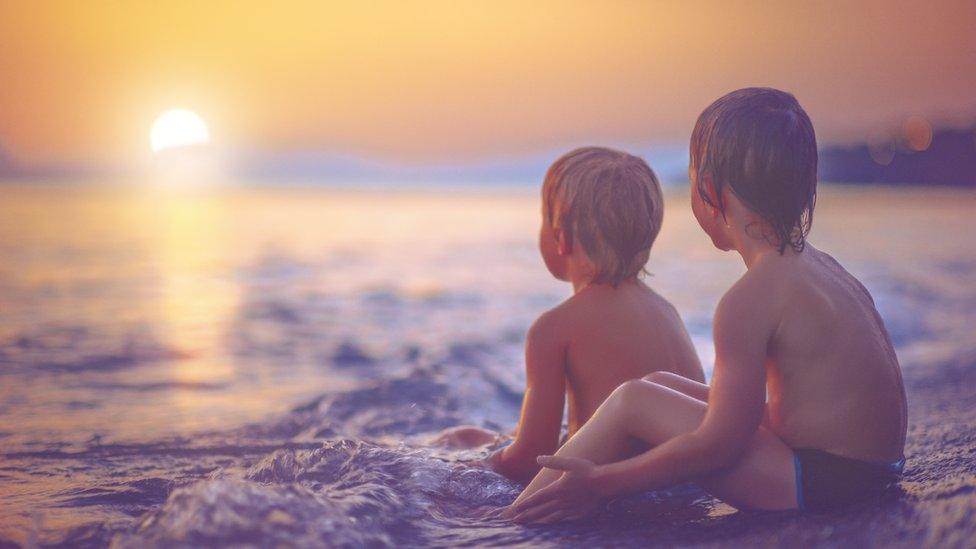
column 435, row 82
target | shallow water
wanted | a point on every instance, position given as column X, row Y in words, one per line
column 265, row 365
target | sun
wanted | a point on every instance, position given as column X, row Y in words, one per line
column 178, row 128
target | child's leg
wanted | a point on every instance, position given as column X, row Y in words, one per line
column 681, row 384
column 687, row 386
column 762, row 478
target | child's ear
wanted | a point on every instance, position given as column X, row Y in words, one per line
column 564, row 241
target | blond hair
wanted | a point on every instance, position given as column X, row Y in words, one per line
column 611, row 203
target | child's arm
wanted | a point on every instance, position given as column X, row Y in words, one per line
column 542, row 406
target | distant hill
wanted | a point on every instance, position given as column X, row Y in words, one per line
column 56, row 171
column 948, row 159
column 11, row 169
column 945, row 157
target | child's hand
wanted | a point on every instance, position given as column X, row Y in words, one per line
column 572, row 497
column 465, row 437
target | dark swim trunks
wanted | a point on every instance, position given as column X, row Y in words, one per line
column 827, row 481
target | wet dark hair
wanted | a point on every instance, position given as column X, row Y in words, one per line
column 760, row 142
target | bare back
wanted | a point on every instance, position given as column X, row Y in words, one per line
column 833, row 379
column 616, row 335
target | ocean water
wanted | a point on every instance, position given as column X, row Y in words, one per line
column 266, row 365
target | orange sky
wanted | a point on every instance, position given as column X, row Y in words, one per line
column 435, row 81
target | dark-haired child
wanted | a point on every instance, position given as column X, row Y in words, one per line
column 796, row 327
column 601, row 211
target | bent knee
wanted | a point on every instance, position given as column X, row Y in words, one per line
column 663, row 378
column 632, row 390
column 652, row 411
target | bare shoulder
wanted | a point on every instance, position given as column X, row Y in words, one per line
column 545, row 347
column 557, row 327
column 754, row 301
column 572, row 312
column 757, row 286
column 829, row 262
column 551, row 327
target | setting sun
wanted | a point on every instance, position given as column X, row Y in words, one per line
column 178, row 128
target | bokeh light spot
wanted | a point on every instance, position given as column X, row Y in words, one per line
column 918, row 133
column 881, row 147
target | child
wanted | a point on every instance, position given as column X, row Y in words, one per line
column 601, row 211
column 796, row 326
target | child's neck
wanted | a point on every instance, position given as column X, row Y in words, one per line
column 581, row 284
column 751, row 255
column 580, row 273
column 746, row 236
column 753, row 251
